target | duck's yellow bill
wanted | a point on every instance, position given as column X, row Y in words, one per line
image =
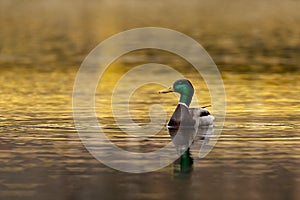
column 170, row 89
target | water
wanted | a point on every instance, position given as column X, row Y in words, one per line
column 41, row 156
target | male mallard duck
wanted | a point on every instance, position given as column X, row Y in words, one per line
column 183, row 115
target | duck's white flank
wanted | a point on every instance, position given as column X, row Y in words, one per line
column 201, row 116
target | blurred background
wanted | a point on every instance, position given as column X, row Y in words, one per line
column 237, row 34
column 256, row 46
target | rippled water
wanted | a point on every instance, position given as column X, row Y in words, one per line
column 41, row 155
column 257, row 154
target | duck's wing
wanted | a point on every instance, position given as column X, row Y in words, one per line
column 201, row 116
column 199, row 112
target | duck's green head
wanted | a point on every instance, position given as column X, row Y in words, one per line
column 184, row 88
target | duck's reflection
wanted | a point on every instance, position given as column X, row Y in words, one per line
column 187, row 138
column 184, row 164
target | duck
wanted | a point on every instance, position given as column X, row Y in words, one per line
column 184, row 116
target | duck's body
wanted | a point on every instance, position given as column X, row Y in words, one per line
column 183, row 115
column 201, row 116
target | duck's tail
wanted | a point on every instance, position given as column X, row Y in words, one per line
column 206, row 106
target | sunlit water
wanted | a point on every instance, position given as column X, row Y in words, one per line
column 41, row 155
